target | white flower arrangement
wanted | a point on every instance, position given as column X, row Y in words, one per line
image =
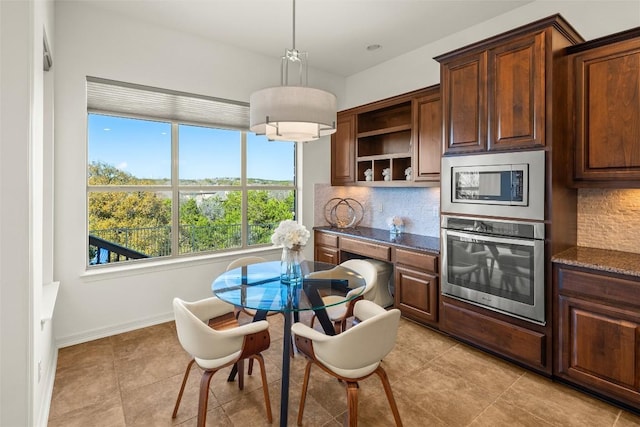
column 289, row 234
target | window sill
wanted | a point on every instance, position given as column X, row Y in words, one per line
column 105, row 272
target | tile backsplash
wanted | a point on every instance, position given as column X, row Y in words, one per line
column 609, row 219
column 419, row 207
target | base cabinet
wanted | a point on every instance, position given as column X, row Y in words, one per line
column 416, row 285
column 326, row 248
column 522, row 345
column 598, row 340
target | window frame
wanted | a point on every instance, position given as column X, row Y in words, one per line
column 175, row 189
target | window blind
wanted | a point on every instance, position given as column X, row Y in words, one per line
column 114, row 97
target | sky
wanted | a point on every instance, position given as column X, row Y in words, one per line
column 143, row 149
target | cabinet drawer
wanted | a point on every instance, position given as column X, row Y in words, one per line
column 418, row 260
column 367, row 249
column 326, row 239
column 510, row 340
column 599, row 287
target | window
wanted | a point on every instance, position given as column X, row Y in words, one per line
column 170, row 188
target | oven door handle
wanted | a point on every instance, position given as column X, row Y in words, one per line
column 479, row 238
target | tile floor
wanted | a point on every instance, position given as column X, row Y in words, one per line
column 132, row 379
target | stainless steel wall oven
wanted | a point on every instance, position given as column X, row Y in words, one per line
column 497, row 264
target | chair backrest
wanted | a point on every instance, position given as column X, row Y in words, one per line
column 196, row 337
column 359, row 350
column 246, row 260
column 367, row 271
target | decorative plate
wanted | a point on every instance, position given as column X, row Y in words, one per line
column 343, row 213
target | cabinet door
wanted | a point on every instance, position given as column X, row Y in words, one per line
column 599, row 347
column 327, row 254
column 416, row 294
column 464, row 89
column 516, row 96
column 607, row 96
column 427, row 112
column 343, row 158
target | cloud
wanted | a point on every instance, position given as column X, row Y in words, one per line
column 122, row 166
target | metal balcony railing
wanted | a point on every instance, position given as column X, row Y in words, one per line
column 121, row 244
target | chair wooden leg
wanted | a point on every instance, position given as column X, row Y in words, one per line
column 352, row 404
column 204, row 397
column 303, row 397
column 313, row 320
column 387, row 389
column 265, row 387
column 337, row 326
column 184, row 382
column 250, row 371
column 240, row 364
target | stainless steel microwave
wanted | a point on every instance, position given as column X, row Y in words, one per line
column 510, row 185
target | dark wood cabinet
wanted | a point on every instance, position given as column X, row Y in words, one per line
column 383, row 142
column 416, row 285
column 516, row 95
column 427, row 134
column 343, row 150
column 496, row 93
column 326, row 248
column 464, row 97
column 606, row 94
column 375, row 144
column 598, row 330
column 498, row 335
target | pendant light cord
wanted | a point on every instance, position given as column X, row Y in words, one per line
column 294, row 24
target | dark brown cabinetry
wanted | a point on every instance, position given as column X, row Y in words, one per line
column 416, row 285
column 606, row 84
column 417, row 291
column 383, row 142
column 343, row 150
column 326, row 248
column 496, row 92
column 598, row 330
column 427, row 134
column 497, row 334
column 375, row 144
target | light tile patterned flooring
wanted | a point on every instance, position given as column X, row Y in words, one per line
column 132, row 379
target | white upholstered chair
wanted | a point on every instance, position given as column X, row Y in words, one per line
column 353, row 355
column 215, row 349
column 339, row 312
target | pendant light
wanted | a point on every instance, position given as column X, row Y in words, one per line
column 293, row 112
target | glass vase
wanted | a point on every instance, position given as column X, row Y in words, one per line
column 290, row 265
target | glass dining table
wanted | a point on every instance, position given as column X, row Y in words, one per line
column 260, row 288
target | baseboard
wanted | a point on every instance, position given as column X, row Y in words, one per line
column 45, row 404
column 112, row 330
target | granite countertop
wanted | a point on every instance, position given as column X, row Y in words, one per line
column 600, row 259
column 404, row 240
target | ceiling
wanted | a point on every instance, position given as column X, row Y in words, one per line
column 335, row 33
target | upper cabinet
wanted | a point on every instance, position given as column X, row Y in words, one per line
column 383, row 143
column 392, row 142
column 605, row 77
column 343, row 150
column 496, row 92
column 427, row 132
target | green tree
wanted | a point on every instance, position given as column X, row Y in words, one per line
column 114, row 214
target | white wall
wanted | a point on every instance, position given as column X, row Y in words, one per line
column 92, row 42
column 418, row 69
column 26, row 233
